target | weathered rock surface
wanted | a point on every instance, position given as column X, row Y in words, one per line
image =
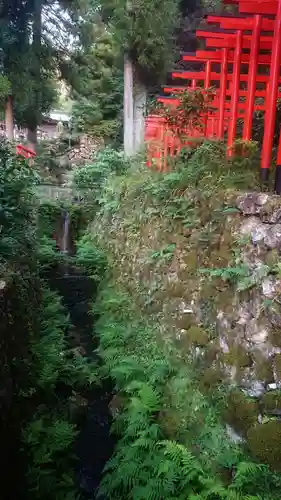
column 219, row 298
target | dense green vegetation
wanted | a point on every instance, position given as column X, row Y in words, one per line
column 172, row 444
column 39, row 366
column 169, row 404
column 134, row 228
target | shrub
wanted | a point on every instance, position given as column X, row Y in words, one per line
column 90, row 257
column 90, row 179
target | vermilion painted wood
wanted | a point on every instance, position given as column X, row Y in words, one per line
column 230, row 43
column 24, row 151
column 228, row 48
column 253, row 66
column 185, row 75
column 242, row 93
column 269, row 8
column 231, row 36
column 215, row 56
column 235, row 93
column 270, row 112
column 174, row 102
column 241, row 24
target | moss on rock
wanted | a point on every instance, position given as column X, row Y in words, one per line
column 264, row 443
column 241, row 412
column 274, row 337
column 271, row 401
column 210, row 379
column 277, row 365
column 272, row 257
column 198, row 336
column 264, row 370
column 238, row 357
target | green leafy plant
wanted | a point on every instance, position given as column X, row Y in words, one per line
column 165, row 254
column 192, row 105
column 90, row 179
column 49, row 439
column 90, row 257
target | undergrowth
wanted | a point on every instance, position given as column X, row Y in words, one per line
column 159, row 230
column 171, row 443
column 199, row 175
column 49, row 435
column 40, row 370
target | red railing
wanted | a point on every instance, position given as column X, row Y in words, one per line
column 24, row 151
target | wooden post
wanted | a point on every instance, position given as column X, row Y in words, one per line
column 271, row 99
column 235, row 94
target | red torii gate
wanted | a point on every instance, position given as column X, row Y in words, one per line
column 252, row 39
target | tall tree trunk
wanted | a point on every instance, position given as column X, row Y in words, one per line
column 36, row 42
column 128, row 108
column 9, row 119
column 32, row 138
column 139, row 105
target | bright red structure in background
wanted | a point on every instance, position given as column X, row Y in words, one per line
column 25, row 152
column 241, row 60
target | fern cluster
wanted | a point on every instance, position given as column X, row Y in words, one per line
column 49, row 435
column 171, row 443
column 39, row 369
column 90, row 257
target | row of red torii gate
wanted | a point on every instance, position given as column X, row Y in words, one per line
column 246, row 47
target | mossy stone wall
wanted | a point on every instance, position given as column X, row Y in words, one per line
column 212, row 285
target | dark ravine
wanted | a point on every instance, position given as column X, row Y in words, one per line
column 95, row 444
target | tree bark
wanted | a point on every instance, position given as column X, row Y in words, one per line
column 139, row 105
column 32, row 138
column 9, row 120
column 128, row 108
column 36, row 42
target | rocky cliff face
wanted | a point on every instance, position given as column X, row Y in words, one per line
column 212, row 284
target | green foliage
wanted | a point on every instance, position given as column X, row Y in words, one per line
column 98, row 90
column 48, row 219
column 145, row 31
column 51, row 159
column 35, row 353
column 47, row 253
column 4, row 88
column 203, row 170
column 38, row 94
column 49, row 439
column 154, row 458
column 49, row 350
column 165, row 253
column 17, row 214
column 187, row 114
column 32, row 346
column 90, row 257
column 89, row 180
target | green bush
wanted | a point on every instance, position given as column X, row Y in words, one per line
column 90, row 257
column 17, row 209
column 89, row 179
